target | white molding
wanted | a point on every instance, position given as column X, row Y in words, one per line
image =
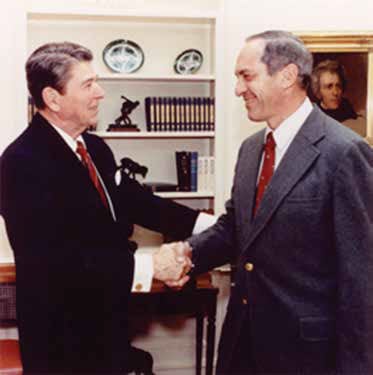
column 220, row 144
column 36, row 10
column 6, row 259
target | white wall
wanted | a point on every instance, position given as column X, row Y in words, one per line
column 13, row 104
column 245, row 17
column 13, row 40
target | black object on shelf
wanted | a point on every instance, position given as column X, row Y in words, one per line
column 123, row 122
column 132, row 168
column 160, row 186
column 183, row 170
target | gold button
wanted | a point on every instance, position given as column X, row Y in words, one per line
column 249, row 267
column 244, row 301
column 138, row 287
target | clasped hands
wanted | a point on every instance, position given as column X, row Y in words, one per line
column 172, row 262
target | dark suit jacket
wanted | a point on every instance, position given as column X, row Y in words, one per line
column 74, row 267
column 310, row 293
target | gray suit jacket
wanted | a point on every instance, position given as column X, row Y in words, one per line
column 311, row 243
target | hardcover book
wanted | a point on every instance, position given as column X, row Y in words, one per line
column 183, row 170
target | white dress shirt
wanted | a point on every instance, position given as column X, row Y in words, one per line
column 286, row 131
column 143, row 273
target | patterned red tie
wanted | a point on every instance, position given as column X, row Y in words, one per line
column 268, row 168
column 88, row 163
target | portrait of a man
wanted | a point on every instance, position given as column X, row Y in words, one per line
column 328, row 85
column 332, row 92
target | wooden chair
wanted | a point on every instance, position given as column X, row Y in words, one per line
column 10, row 360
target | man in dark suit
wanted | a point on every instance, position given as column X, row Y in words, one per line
column 299, row 224
column 69, row 223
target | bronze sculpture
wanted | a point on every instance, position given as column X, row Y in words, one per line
column 123, row 122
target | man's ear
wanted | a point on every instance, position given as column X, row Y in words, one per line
column 51, row 98
column 289, row 75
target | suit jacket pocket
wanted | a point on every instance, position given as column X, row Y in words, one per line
column 317, row 328
column 303, row 200
column 317, row 347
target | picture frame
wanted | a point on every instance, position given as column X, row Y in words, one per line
column 354, row 51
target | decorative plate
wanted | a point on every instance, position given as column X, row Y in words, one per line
column 188, row 62
column 123, row 56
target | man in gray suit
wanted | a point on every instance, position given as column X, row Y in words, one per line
column 299, row 225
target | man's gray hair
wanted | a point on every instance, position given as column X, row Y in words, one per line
column 283, row 48
column 50, row 66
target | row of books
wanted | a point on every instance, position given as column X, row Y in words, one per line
column 195, row 173
column 179, row 114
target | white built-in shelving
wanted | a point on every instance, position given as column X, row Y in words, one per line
column 163, row 35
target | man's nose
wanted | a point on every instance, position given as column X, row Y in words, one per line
column 100, row 92
column 240, row 88
column 336, row 91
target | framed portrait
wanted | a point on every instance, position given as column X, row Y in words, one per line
column 342, row 78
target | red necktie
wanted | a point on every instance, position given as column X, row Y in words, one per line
column 268, row 168
column 88, row 163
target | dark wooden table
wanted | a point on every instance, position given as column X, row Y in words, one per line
column 198, row 299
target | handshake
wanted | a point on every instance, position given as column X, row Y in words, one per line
column 172, row 262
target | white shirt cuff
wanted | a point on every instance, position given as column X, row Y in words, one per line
column 203, row 222
column 143, row 275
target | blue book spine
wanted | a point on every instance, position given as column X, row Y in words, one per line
column 193, row 170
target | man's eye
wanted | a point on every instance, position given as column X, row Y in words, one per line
column 88, row 85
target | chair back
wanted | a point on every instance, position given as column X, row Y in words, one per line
column 10, row 360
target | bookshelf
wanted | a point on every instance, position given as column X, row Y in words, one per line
column 162, row 36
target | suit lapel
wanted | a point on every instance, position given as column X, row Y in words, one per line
column 248, row 177
column 64, row 161
column 55, row 147
column 299, row 157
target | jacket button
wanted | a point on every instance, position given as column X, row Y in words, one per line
column 244, row 301
column 138, row 287
column 249, row 267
